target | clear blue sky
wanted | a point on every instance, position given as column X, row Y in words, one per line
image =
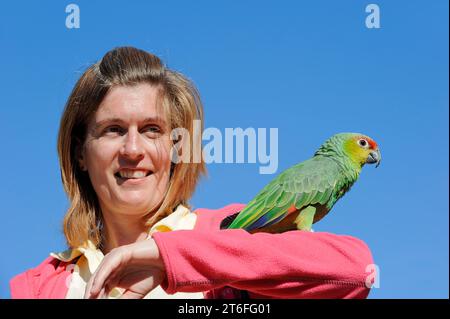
column 310, row 69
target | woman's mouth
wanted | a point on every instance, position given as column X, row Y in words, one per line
column 132, row 174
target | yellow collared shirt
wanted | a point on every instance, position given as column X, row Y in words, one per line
column 90, row 258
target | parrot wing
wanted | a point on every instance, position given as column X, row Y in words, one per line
column 307, row 183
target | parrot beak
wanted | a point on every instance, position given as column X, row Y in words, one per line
column 374, row 157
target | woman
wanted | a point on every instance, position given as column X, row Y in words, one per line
column 129, row 229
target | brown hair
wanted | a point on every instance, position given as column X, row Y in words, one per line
column 123, row 66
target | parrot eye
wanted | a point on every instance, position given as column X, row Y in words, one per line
column 363, row 143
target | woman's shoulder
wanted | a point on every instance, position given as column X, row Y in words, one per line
column 47, row 280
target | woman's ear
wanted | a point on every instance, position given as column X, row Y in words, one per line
column 79, row 153
column 82, row 165
column 177, row 149
column 172, row 169
column 181, row 148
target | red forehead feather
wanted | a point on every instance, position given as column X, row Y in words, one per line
column 372, row 143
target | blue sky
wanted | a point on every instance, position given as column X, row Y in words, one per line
column 310, row 69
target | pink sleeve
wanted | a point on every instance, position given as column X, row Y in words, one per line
column 46, row 281
column 294, row 264
column 20, row 287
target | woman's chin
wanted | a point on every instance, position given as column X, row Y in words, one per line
column 135, row 206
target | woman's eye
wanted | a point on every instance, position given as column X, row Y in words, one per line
column 152, row 129
column 113, row 130
column 117, row 130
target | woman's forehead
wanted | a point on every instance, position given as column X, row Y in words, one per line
column 141, row 102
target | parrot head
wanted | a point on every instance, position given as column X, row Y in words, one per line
column 358, row 148
column 361, row 149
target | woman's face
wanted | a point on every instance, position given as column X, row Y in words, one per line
column 127, row 151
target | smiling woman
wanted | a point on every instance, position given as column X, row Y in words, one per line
column 129, row 228
column 127, row 158
column 117, row 122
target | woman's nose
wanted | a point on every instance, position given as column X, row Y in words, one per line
column 133, row 147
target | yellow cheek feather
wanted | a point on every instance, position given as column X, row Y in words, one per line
column 356, row 153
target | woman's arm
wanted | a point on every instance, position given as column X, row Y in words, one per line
column 295, row 264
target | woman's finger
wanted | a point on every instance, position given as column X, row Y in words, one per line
column 104, row 271
column 113, row 281
column 87, row 291
column 102, row 294
column 131, row 295
column 107, row 267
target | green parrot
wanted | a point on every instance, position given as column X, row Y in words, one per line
column 306, row 192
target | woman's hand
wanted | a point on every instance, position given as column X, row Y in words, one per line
column 137, row 268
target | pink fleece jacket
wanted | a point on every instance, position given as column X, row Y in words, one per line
column 234, row 264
